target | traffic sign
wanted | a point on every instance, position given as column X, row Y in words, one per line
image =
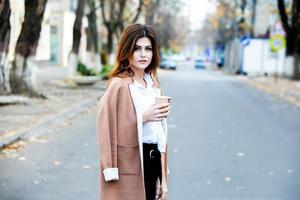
column 277, row 42
column 245, row 40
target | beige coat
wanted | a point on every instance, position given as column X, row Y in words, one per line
column 119, row 130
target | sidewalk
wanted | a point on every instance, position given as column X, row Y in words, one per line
column 65, row 101
column 282, row 88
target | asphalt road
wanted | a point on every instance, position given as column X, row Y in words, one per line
column 227, row 141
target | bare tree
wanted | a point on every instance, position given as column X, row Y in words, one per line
column 292, row 30
column 92, row 35
column 77, row 26
column 130, row 17
column 181, row 31
column 150, row 15
column 113, row 15
column 73, row 60
column 93, row 57
column 170, row 27
column 205, row 36
column 21, row 70
column 4, row 43
column 225, row 26
column 253, row 16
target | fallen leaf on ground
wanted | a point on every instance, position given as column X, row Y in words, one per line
column 56, row 162
column 86, row 167
column 22, row 158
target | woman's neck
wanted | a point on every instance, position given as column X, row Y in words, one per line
column 139, row 76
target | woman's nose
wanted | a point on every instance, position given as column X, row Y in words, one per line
column 143, row 53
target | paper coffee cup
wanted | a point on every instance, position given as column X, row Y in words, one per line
column 162, row 99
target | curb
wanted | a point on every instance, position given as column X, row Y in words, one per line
column 52, row 121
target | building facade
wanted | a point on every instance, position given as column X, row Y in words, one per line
column 56, row 39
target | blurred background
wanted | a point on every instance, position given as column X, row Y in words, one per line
column 230, row 66
column 82, row 35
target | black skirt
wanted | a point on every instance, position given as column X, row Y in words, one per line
column 152, row 169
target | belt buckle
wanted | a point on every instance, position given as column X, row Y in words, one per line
column 151, row 154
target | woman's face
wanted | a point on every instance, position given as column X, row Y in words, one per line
column 142, row 55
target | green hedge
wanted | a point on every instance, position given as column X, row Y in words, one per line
column 83, row 70
column 105, row 70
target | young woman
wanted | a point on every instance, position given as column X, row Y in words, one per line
column 131, row 127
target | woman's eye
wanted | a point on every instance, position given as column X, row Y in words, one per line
column 137, row 48
column 149, row 49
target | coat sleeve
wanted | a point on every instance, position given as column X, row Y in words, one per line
column 107, row 132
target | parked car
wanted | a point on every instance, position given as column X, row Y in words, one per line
column 219, row 59
column 200, row 63
column 168, row 64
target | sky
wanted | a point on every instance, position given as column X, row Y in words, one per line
column 196, row 10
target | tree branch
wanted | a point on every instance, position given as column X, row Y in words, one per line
column 138, row 12
column 119, row 20
column 103, row 13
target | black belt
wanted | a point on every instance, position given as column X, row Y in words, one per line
column 151, row 150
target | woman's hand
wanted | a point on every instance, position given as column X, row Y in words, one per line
column 156, row 112
column 161, row 191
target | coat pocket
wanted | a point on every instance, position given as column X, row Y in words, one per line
column 129, row 159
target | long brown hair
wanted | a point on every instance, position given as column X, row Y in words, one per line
column 126, row 47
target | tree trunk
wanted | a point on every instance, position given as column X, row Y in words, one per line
column 22, row 69
column 4, row 25
column 4, row 74
column 253, row 17
column 4, row 44
column 295, row 31
column 73, row 59
column 93, row 57
column 77, row 26
column 110, row 41
column 150, row 15
column 92, row 35
column 290, row 34
column 292, row 31
column 296, row 67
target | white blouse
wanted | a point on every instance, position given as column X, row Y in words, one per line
column 153, row 132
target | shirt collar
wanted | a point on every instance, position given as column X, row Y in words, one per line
column 148, row 80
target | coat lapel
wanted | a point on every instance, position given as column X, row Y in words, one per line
column 139, row 118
